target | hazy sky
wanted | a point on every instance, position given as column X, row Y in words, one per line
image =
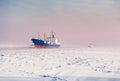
column 76, row 22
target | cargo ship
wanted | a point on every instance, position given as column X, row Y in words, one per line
column 48, row 41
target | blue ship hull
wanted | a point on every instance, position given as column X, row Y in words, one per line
column 42, row 44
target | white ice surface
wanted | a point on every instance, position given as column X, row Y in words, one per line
column 62, row 64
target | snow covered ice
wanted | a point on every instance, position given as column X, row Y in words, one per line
column 62, row 64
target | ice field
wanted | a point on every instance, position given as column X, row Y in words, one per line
column 61, row 64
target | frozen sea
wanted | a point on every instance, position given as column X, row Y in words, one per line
column 61, row 64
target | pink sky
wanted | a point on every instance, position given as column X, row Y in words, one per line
column 76, row 22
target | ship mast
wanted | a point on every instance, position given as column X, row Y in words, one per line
column 53, row 38
column 45, row 37
column 38, row 35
